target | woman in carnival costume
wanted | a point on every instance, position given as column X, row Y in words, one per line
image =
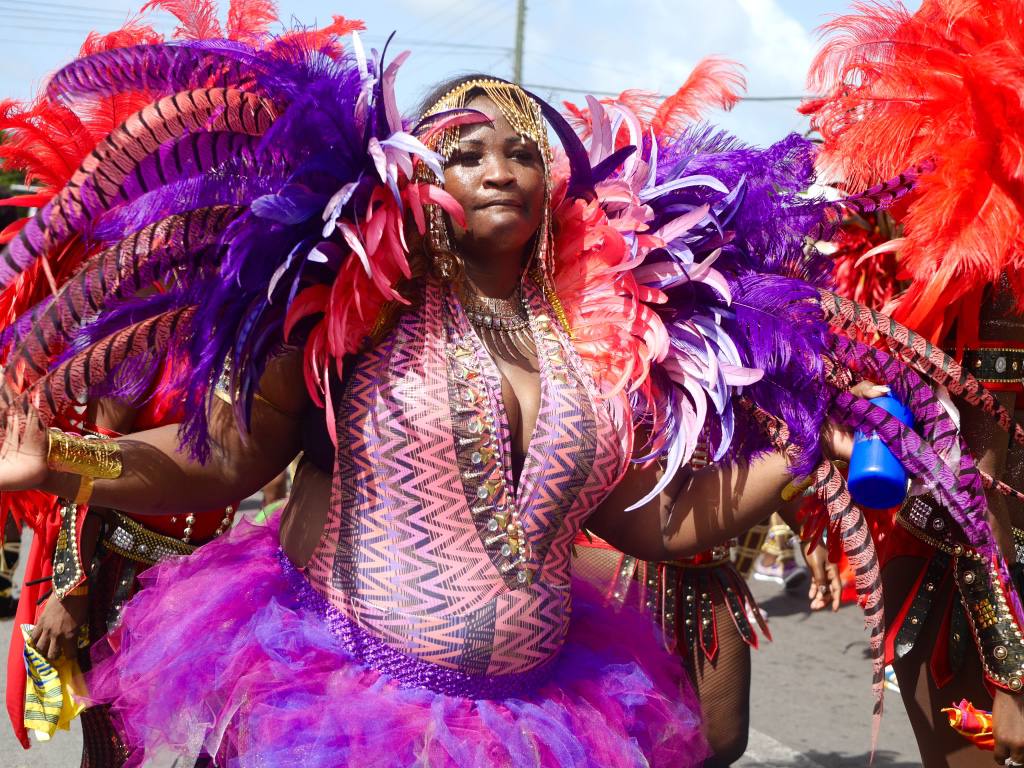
column 486, row 357
column 939, row 91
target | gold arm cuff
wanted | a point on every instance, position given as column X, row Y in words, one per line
column 796, row 487
column 83, row 456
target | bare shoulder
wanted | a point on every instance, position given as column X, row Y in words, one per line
column 282, row 385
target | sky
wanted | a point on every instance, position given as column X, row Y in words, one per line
column 580, row 45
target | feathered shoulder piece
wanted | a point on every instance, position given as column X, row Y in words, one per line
column 686, row 281
column 941, row 88
column 265, row 182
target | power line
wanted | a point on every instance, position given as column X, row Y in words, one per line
column 595, row 64
column 40, row 43
column 23, row 15
column 491, row 12
column 441, row 44
column 68, row 6
column 441, row 19
column 613, row 94
column 55, row 30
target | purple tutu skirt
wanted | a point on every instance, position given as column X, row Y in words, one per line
column 231, row 653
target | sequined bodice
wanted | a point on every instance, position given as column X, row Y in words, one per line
column 429, row 545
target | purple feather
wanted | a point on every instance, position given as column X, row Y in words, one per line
column 161, row 69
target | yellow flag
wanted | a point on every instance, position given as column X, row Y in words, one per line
column 50, row 701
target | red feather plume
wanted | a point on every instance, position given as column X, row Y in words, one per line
column 47, row 141
column 715, row 83
column 866, row 270
column 198, row 18
column 326, row 37
column 943, row 84
column 250, row 20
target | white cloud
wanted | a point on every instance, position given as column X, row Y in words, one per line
column 655, row 44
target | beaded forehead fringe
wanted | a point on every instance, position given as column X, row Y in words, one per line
column 522, row 113
column 524, row 116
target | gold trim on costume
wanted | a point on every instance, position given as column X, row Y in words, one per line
column 526, row 119
column 522, row 113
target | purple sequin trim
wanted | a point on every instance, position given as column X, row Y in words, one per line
column 407, row 671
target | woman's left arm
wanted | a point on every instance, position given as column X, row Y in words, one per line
column 702, row 508
column 698, row 508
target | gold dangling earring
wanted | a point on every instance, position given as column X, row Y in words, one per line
column 446, row 263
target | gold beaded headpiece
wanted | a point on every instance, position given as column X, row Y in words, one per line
column 522, row 113
column 525, row 117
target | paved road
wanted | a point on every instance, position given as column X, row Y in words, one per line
column 811, row 701
column 811, row 693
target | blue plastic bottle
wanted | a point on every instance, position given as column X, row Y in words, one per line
column 877, row 479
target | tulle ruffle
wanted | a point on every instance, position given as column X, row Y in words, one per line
column 222, row 653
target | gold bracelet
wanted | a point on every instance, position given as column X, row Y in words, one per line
column 83, row 456
column 796, row 487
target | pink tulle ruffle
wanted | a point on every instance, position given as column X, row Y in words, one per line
column 221, row 653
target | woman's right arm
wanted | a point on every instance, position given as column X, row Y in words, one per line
column 158, row 478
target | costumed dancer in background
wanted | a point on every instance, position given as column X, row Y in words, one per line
column 484, row 402
column 942, row 90
column 91, row 570
column 868, row 277
column 84, row 562
column 704, row 612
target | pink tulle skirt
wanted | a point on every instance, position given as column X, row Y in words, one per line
column 231, row 653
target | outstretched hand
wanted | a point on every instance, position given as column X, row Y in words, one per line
column 24, row 448
column 1008, row 728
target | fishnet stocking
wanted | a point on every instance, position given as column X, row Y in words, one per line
column 723, row 687
column 101, row 746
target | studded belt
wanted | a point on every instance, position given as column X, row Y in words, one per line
column 996, row 365
column 128, row 538
column 711, row 558
column 926, row 520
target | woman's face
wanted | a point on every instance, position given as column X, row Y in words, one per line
column 498, row 178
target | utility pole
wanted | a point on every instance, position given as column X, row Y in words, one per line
column 517, row 62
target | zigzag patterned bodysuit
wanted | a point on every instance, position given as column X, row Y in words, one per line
column 429, row 545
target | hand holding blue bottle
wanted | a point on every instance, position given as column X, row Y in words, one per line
column 876, row 478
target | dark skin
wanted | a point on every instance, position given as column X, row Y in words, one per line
column 498, row 177
column 696, row 510
column 56, row 628
column 940, row 746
